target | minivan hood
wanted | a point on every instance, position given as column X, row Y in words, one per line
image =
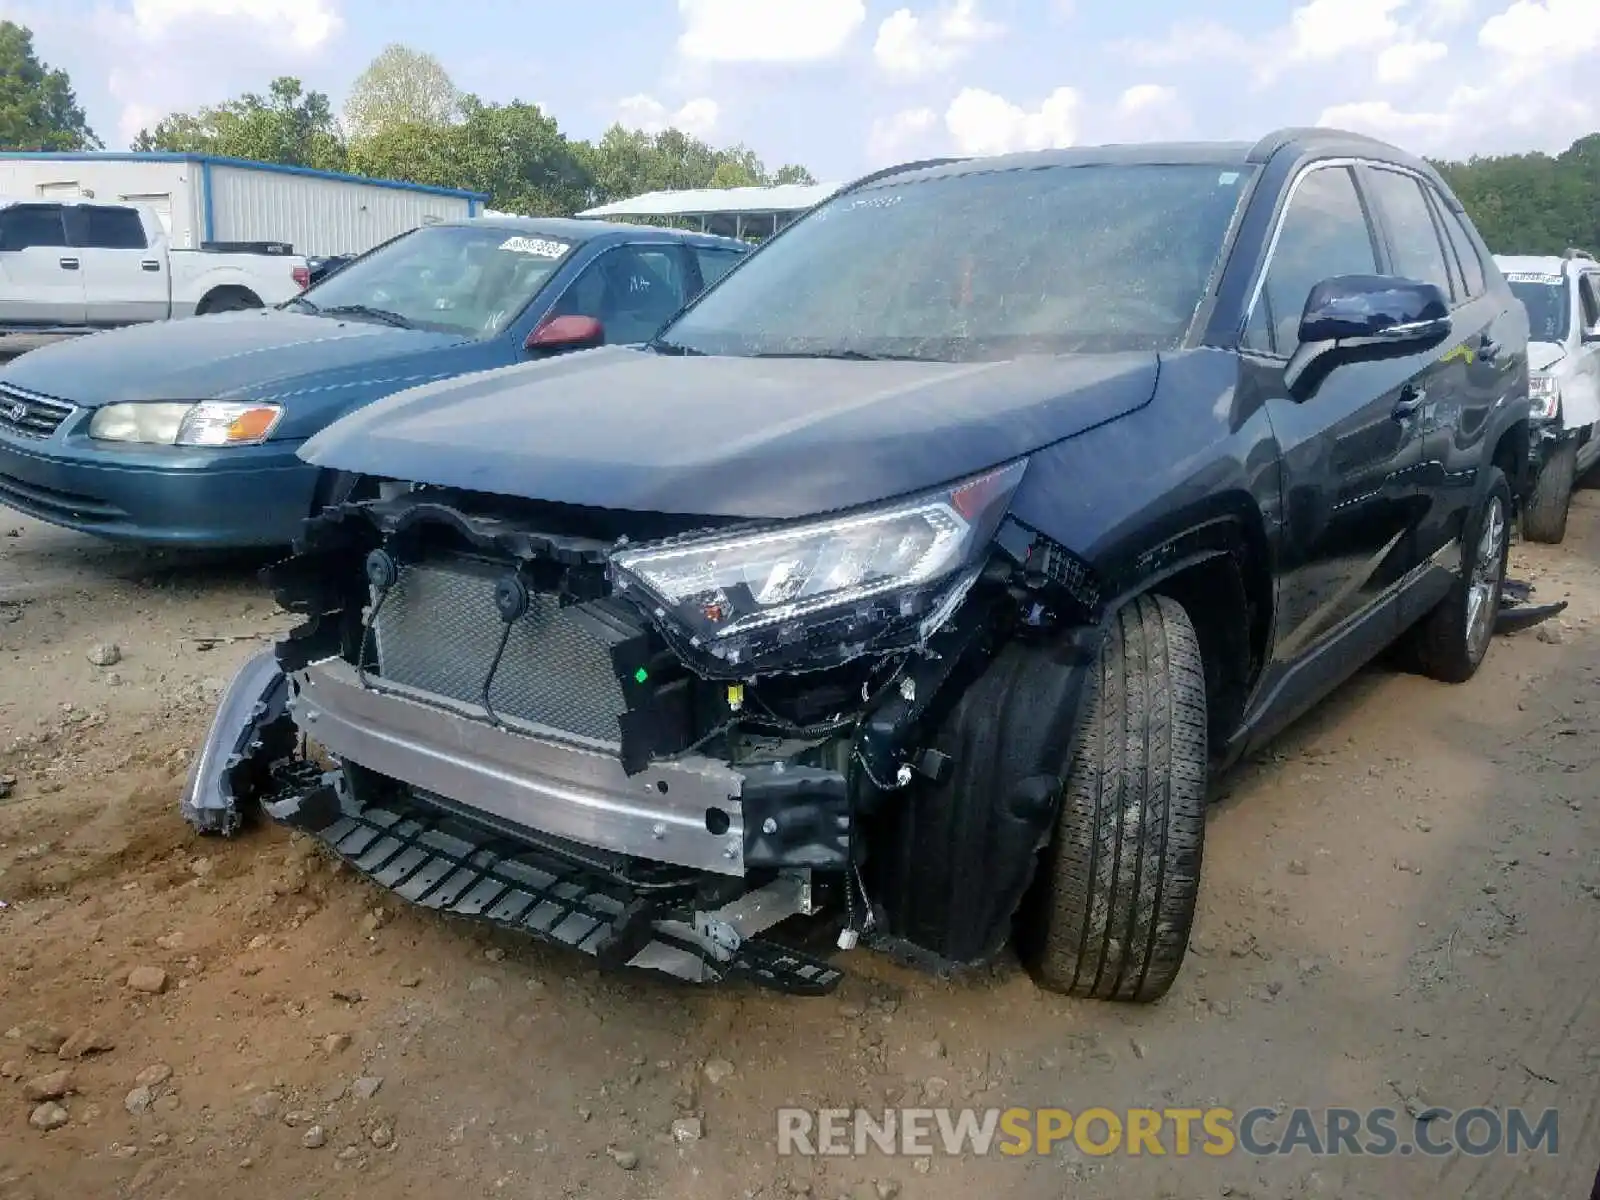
column 247, row 354
column 626, row 428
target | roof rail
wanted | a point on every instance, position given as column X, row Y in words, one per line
column 884, row 172
column 1269, row 145
column 1574, row 252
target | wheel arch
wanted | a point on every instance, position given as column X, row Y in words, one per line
column 227, row 290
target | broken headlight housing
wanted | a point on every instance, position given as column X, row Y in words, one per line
column 1544, row 393
column 809, row 595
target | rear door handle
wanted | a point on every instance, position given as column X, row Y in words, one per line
column 69, row 264
column 1488, row 348
column 1410, row 402
column 150, row 264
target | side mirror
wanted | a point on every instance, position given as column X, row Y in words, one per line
column 566, row 333
column 1361, row 317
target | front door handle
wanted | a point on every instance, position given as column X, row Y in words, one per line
column 69, row 264
column 1410, row 403
column 150, row 264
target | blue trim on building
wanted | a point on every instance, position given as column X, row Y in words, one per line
column 209, row 214
column 217, row 160
column 472, row 207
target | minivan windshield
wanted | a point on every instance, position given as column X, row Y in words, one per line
column 1549, row 307
column 980, row 265
column 467, row 279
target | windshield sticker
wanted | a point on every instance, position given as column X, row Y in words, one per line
column 539, row 247
column 1228, row 179
column 1534, row 277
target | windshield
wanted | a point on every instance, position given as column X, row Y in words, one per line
column 1545, row 298
column 980, row 266
column 468, row 279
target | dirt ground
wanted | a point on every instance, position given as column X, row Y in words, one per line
column 1401, row 906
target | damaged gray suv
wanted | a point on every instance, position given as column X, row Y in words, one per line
column 910, row 584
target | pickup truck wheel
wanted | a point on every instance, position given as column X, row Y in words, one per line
column 1123, row 872
column 1450, row 643
column 229, row 299
column 1545, row 517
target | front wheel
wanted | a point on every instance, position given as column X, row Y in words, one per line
column 1451, row 642
column 1545, row 517
column 1123, row 870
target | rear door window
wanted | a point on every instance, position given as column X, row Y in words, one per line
column 714, row 264
column 103, row 227
column 24, row 226
column 1414, row 239
column 1466, row 249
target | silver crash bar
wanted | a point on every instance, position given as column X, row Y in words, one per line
column 526, row 777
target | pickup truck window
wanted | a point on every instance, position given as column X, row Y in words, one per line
column 23, row 226
column 1545, row 297
column 1324, row 233
column 468, row 279
column 104, row 227
column 1414, row 237
column 980, row 266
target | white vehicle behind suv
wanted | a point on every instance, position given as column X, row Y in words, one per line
column 77, row 266
column 1562, row 296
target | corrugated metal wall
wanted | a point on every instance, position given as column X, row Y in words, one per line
column 319, row 216
column 171, row 188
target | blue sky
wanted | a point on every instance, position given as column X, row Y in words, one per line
column 846, row 85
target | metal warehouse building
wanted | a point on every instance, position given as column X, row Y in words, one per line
column 204, row 198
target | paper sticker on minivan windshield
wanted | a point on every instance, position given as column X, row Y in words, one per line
column 536, row 246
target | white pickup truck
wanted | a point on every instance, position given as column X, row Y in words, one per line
column 76, row 266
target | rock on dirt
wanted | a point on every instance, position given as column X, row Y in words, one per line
column 154, row 1075
column 38, row 1037
column 105, row 654
column 686, row 1130
column 83, row 1043
column 48, row 1116
column 314, row 1138
column 152, row 980
column 138, row 1100
column 51, row 1086
column 366, row 1087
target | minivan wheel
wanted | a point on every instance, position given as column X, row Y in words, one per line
column 1451, row 642
column 1545, row 517
column 1122, row 873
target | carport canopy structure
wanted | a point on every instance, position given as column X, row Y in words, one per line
column 743, row 212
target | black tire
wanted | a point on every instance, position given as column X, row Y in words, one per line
column 228, row 300
column 1445, row 645
column 1545, row 517
column 1122, row 874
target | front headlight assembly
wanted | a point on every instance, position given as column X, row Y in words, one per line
column 208, row 423
column 1545, row 396
column 811, row 595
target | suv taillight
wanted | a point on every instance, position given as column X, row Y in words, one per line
column 302, row 277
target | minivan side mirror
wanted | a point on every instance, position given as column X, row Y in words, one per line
column 566, row 333
column 1352, row 318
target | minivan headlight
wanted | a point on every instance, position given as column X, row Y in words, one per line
column 814, row 593
column 1544, row 394
column 208, row 423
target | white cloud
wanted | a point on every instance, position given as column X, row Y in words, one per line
column 1550, row 30
column 697, row 117
column 767, row 30
column 981, row 122
column 895, row 138
column 1188, row 41
column 1404, row 61
column 1380, row 118
column 308, row 24
column 1325, row 29
column 908, row 45
column 1149, row 112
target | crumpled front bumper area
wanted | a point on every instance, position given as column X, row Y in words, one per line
column 532, row 835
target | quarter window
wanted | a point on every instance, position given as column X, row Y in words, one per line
column 1466, row 249
column 714, row 264
column 1324, row 234
column 1418, row 253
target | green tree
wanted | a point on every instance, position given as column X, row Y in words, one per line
column 288, row 125
column 793, row 173
column 38, row 110
column 1533, row 203
column 401, row 86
